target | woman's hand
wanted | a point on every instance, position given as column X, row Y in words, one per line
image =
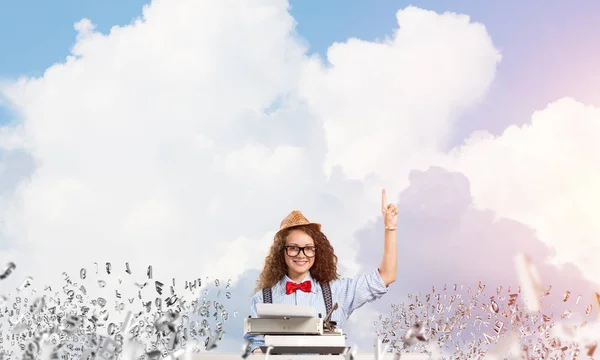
column 389, row 213
column 257, row 351
column 389, row 262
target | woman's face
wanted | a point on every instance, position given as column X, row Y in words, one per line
column 298, row 263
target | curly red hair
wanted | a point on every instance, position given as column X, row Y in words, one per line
column 324, row 268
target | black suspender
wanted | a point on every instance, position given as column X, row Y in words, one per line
column 327, row 297
column 268, row 297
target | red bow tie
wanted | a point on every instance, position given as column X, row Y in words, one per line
column 290, row 287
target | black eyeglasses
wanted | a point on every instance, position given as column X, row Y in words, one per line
column 294, row 250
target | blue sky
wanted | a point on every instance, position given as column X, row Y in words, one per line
column 549, row 46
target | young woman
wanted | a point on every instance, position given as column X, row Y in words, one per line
column 301, row 270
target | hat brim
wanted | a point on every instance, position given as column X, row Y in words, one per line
column 315, row 225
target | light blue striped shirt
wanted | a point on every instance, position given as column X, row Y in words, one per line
column 349, row 293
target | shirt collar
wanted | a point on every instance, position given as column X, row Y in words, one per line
column 285, row 279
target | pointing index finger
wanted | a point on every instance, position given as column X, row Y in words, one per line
column 383, row 199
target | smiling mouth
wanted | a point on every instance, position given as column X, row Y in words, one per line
column 301, row 262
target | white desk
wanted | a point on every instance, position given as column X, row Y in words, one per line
column 215, row 356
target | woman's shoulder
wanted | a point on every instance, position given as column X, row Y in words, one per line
column 258, row 295
column 340, row 280
column 347, row 280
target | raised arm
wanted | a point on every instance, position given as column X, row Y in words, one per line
column 389, row 262
column 359, row 290
column 255, row 340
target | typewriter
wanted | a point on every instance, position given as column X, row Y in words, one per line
column 293, row 329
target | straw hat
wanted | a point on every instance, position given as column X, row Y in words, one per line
column 295, row 218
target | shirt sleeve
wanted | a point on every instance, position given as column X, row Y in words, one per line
column 255, row 340
column 357, row 291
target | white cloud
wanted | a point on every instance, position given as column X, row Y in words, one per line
column 155, row 144
column 245, row 254
column 545, row 175
column 386, row 106
column 263, row 162
column 126, row 133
